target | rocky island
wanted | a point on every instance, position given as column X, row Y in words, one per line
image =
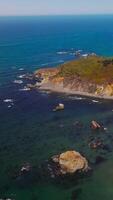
column 89, row 76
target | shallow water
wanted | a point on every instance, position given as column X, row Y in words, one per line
column 29, row 130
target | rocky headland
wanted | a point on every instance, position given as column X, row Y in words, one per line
column 89, row 76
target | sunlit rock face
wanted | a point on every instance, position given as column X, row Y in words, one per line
column 105, row 89
column 92, row 76
column 70, row 162
column 47, row 73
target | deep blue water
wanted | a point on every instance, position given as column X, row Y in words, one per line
column 29, row 130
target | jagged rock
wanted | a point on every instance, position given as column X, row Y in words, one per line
column 70, row 162
column 95, row 125
column 25, row 168
column 96, row 144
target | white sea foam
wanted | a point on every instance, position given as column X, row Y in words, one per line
column 8, row 100
column 85, row 55
column 9, row 106
column 18, row 81
column 21, row 76
column 24, row 89
column 76, row 98
column 21, row 69
column 62, row 52
column 95, row 101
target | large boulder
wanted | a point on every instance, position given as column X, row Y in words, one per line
column 71, row 162
column 59, row 107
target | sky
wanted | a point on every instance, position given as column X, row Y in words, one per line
column 55, row 7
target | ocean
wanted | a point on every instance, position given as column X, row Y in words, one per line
column 29, row 131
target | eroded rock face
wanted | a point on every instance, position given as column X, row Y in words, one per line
column 95, row 125
column 54, row 80
column 71, row 162
column 105, row 89
column 46, row 73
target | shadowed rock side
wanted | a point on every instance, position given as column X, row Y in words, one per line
column 91, row 76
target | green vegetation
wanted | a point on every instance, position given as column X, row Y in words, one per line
column 93, row 68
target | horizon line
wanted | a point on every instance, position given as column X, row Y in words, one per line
column 44, row 15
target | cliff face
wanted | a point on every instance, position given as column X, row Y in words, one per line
column 78, row 79
column 47, row 73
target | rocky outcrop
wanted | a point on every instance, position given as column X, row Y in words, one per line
column 59, row 107
column 50, row 80
column 105, row 89
column 90, row 77
column 47, row 73
column 70, row 162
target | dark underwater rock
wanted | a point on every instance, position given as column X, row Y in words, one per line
column 76, row 193
column 78, row 124
column 99, row 160
column 26, row 175
column 96, row 144
column 107, row 148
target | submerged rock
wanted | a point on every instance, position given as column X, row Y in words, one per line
column 25, row 168
column 70, row 162
column 78, row 124
column 96, row 144
column 76, row 193
column 26, row 176
column 99, row 159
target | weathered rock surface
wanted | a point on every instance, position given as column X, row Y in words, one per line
column 71, row 162
column 46, row 74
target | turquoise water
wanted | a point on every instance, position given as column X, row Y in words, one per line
column 29, row 130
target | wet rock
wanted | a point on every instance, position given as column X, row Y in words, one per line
column 59, row 107
column 99, row 159
column 95, row 144
column 25, row 169
column 26, row 175
column 95, row 125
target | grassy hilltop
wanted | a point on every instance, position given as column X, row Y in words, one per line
column 93, row 68
column 92, row 75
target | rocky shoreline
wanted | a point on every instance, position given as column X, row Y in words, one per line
column 59, row 89
column 91, row 76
